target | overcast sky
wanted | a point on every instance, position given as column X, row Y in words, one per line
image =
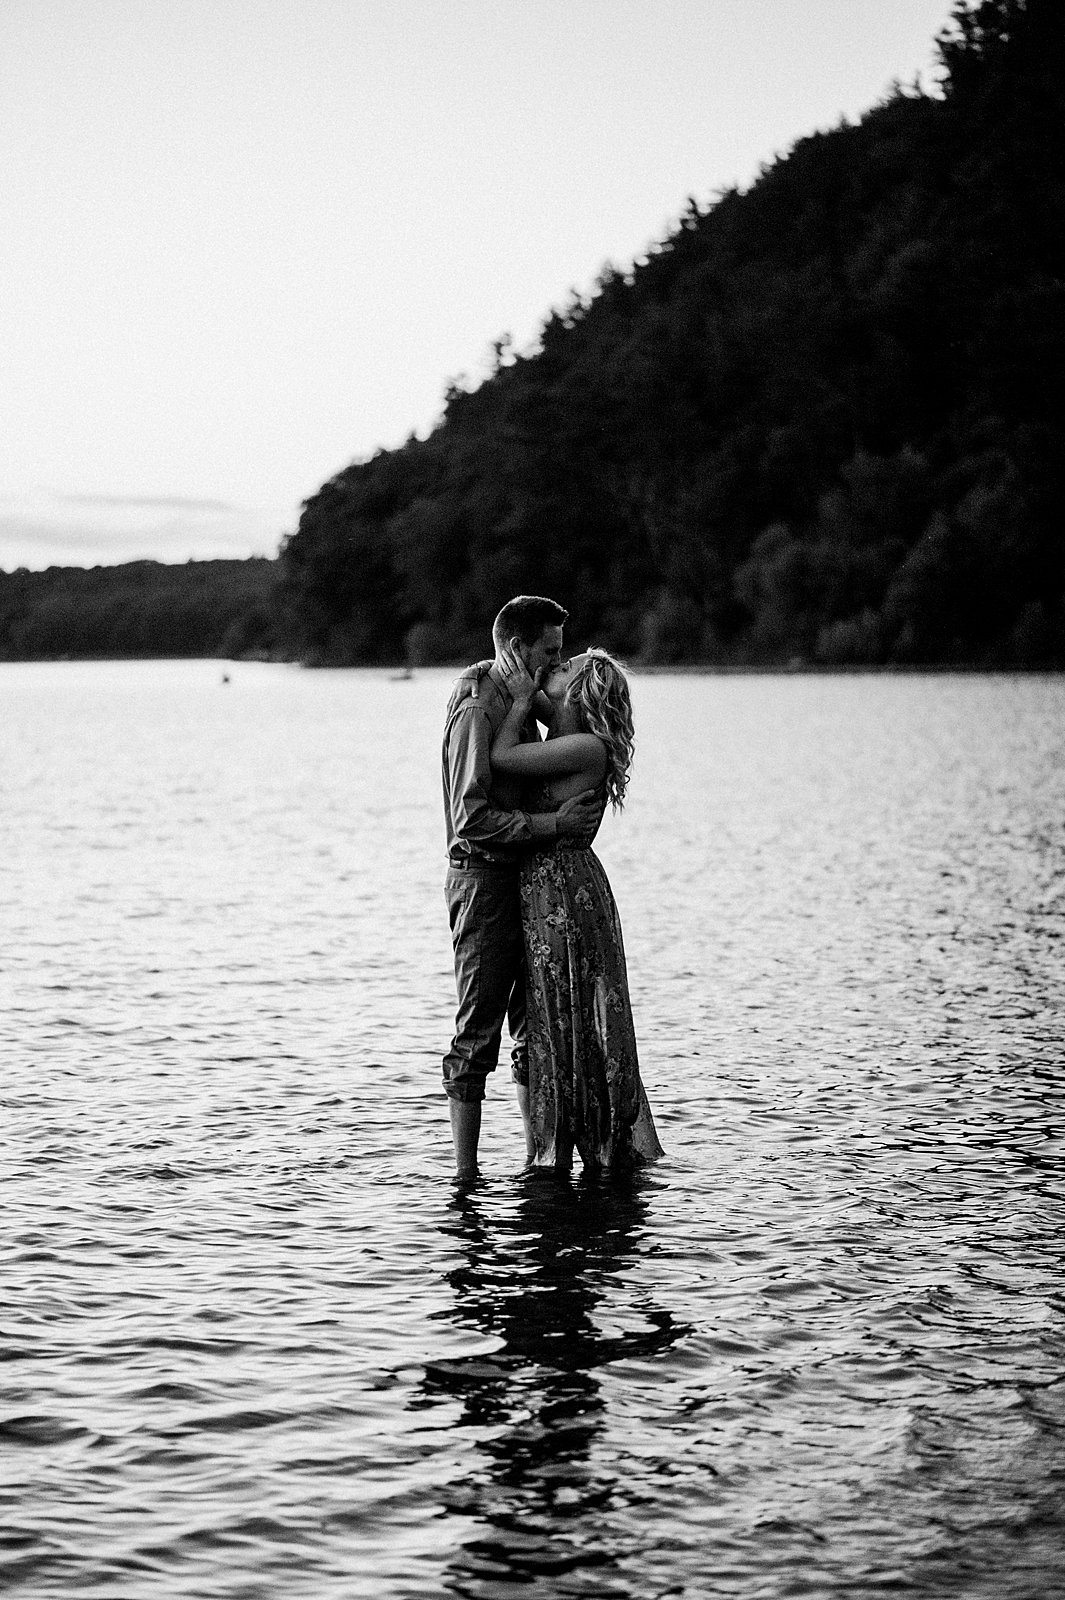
column 244, row 242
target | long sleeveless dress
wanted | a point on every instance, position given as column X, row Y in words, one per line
column 584, row 1075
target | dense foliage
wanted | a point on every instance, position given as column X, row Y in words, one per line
column 820, row 422
column 141, row 608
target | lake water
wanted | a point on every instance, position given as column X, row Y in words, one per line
column 257, row 1344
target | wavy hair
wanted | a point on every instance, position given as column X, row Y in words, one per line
column 601, row 690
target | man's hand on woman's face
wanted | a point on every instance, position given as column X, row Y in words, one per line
column 516, row 674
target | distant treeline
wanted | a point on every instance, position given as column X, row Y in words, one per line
column 141, row 608
column 821, row 422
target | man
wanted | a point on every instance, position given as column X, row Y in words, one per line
column 487, row 833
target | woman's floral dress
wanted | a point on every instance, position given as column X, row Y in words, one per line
column 584, row 1076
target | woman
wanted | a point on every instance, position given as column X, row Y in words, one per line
column 584, row 1077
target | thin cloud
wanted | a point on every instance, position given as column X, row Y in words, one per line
column 164, row 502
column 100, row 531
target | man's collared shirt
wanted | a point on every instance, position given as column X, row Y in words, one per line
column 482, row 809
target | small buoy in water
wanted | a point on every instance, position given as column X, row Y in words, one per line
column 225, row 677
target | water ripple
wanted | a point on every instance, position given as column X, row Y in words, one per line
column 254, row 1342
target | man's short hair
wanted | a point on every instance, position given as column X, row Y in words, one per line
column 526, row 617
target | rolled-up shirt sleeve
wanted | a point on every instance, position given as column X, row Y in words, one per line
column 473, row 818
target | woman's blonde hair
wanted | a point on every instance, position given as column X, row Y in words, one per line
column 601, row 690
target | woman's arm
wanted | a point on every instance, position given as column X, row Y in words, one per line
column 553, row 758
column 509, row 734
column 542, row 708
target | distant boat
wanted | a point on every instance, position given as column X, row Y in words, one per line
column 402, row 677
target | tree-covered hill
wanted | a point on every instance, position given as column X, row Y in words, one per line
column 820, row 422
column 141, row 608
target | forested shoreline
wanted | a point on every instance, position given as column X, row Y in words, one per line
column 143, row 609
column 819, row 425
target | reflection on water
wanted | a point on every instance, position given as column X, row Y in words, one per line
column 255, row 1343
column 534, row 1284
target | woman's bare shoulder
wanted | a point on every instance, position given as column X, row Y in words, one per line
column 591, row 748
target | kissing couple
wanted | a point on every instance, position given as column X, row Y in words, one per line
column 536, row 933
